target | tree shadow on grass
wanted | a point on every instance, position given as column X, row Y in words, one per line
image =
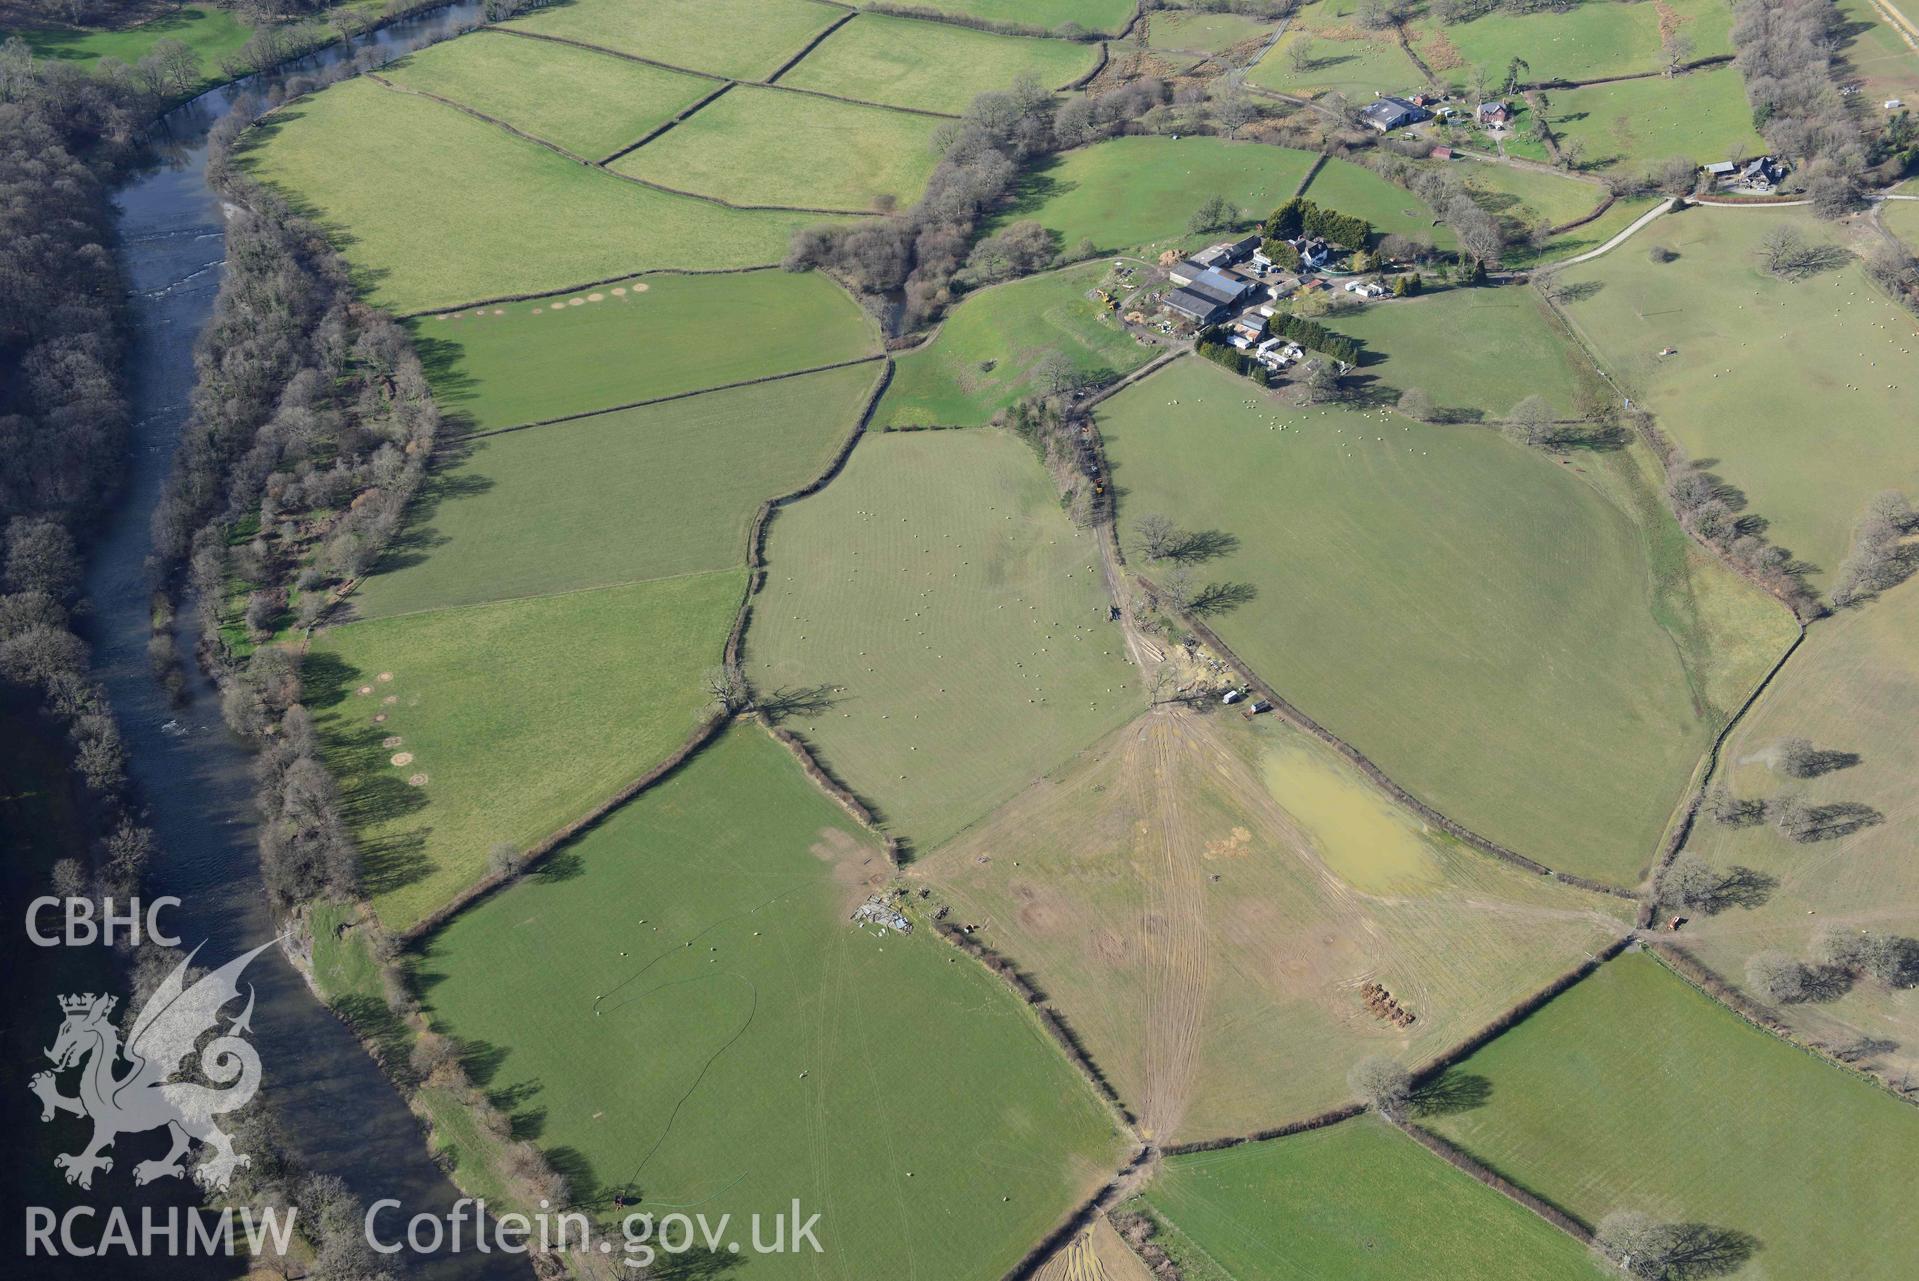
column 1700, row 1250
column 1452, row 1091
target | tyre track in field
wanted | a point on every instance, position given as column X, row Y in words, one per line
column 1178, row 951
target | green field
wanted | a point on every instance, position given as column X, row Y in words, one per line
column 1356, row 1201
column 939, row 589
column 520, row 716
column 681, row 1007
column 987, row 351
column 1393, row 211
column 1138, row 192
column 524, row 362
column 1416, row 594
column 1853, row 687
column 1470, row 349
column 1902, row 218
column 1592, row 39
column 653, row 492
column 1342, row 57
column 1528, row 196
column 1204, row 898
column 933, row 66
column 756, row 146
column 738, row 39
column 1760, row 364
column 1634, row 1091
column 1636, row 125
column 607, row 103
column 414, row 248
column 212, row 33
column 1104, row 16
column 1192, row 31
column 1886, row 66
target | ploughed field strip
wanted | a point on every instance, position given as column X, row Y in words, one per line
column 1852, row 692
column 1355, row 1200
column 591, row 103
column 436, row 216
column 1634, row 1090
column 1000, row 345
column 1473, row 616
column 956, row 620
column 932, row 66
column 634, row 340
column 1824, row 350
column 1229, row 916
column 687, row 1012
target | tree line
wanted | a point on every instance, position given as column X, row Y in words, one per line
column 921, row 251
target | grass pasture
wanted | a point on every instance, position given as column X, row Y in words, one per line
column 1194, row 31
column 959, row 618
column 414, row 249
column 1634, row 1091
column 1440, row 342
column 1836, row 360
column 1853, row 688
column 1355, row 189
column 681, row 1007
column 1341, row 56
column 1106, row 17
column 1508, row 673
column 1357, row 1201
column 654, row 492
column 640, row 339
column 1203, row 900
column 1139, row 192
column 1872, row 50
column 1528, row 196
column 606, row 103
column 517, row 718
column 755, row 146
column 738, row 39
column 933, row 66
column 1901, row 218
column 1635, row 125
column 986, row 354
column 1590, row 40
column 213, row 34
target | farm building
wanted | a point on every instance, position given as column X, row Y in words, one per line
column 1496, row 115
column 1207, row 296
column 1390, row 113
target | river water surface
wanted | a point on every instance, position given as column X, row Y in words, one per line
column 341, row 1114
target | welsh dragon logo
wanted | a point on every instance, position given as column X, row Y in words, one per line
column 167, row 1031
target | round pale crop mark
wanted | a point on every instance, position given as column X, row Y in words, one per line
column 379, row 718
column 390, row 742
column 416, row 780
column 576, row 302
column 391, row 699
column 619, row 291
column 364, row 689
column 385, row 676
column 536, row 311
column 402, row 759
column 641, row 287
column 596, row 297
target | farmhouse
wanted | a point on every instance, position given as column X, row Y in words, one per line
column 1762, row 175
column 1391, row 113
column 1495, row 115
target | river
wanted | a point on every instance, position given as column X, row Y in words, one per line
column 340, row 1113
